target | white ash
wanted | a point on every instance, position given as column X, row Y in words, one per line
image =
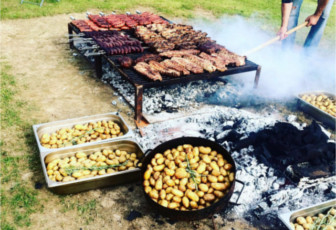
column 267, row 191
column 174, row 97
column 203, row 124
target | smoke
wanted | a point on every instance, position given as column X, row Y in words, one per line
column 284, row 73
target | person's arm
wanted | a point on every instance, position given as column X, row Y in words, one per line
column 286, row 8
column 313, row 19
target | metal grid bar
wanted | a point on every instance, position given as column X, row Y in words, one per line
column 136, row 78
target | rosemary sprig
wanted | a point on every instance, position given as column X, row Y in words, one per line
column 193, row 173
column 319, row 222
column 74, row 140
column 72, row 169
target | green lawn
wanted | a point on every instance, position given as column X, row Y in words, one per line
column 12, row 9
column 17, row 157
column 268, row 12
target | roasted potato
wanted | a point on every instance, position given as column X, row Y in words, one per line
column 321, row 101
column 187, row 177
column 84, row 165
column 81, row 133
column 326, row 220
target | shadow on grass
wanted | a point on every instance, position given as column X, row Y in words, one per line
column 33, row 155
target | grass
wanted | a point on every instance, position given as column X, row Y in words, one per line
column 9, row 114
column 11, row 9
column 18, row 199
column 267, row 12
column 85, row 209
column 19, row 156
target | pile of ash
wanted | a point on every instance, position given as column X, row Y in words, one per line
column 173, row 97
column 301, row 153
column 268, row 190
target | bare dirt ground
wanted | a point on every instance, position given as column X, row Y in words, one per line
column 57, row 86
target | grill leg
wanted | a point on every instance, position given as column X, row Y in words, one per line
column 71, row 43
column 138, row 103
column 99, row 66
column 257, row 76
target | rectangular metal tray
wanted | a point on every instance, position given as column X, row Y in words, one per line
column 51, row 127
column 96, row 181
column 289, row 217
column 317, row 113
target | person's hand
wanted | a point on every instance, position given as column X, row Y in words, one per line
column 312, row 20
column 282, row 33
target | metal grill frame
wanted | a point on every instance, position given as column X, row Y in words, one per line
column 140, row 82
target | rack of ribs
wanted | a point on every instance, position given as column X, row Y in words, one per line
column 175, row 66
column 179, row 53
column 216, row 61
column 148, row 71
column 163, row 69
column 189, row 65
column 205, row 64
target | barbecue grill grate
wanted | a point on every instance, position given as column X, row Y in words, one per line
column 136, row 78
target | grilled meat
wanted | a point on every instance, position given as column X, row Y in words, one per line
column 126, row 22
column 205, row 64
column 189, row 65
column 125, row 61
column 231, row 58
column 115, row 21
column 165, row 37
column 113, row 42
column 163, row 69
column 148, row 71
column 81, row 25
column 148, row 57
column 175, row 66
column 210, row 47
column 99, row 21
column 94, row 27
column 216, row 61
column 179, row 53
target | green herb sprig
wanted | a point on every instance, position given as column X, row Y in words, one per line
column 193, row 174
column 72, row 169
column 74, row 139
column 325, row 221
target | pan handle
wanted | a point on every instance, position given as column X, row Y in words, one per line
column 239, row 193
column 143, row 157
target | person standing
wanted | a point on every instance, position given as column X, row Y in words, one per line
column 290, row 11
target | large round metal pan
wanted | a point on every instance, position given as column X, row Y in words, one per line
column 197, row 214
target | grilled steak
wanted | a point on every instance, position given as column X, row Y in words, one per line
column 216, row 61
column 189, row 65
column 148, row 57
column 205, row 64
column 179, row 53
column 231, row 58
column 163, row 69
column 148, row 71
column 175, row 66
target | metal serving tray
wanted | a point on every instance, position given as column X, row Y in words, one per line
column 289, row 217
column 96, row 181
column 51, row 127
column 316, row 112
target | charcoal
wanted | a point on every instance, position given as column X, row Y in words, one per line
column 38, row 185
column 284, row 145
column 133, row 215
column 233, row 135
